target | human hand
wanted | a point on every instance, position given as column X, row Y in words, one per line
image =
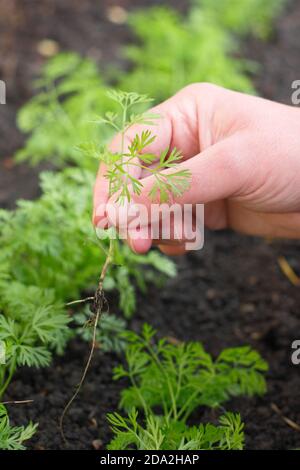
column 244, row 156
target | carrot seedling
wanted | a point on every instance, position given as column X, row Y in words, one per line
column 118, row 173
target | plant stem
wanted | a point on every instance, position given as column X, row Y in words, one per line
column 16, row 402
column 99, row 301
column 159, row 365
column 185, row 410
column 144, row 404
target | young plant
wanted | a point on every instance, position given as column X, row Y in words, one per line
column 118, row 173
column 194, row 48
column 169, row 382
column 47, row 242
column 118, row 167
column 243, row 16
column 12, row 437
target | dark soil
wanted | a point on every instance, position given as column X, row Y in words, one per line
column 232, row 293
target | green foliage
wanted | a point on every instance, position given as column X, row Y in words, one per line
column 49, row 254
column 157, row 433
column 70, row 92
column 190, row 50
column 63, row 245
column 12, row 437
column 108, row 335
column 168, row 382
column 243, row 16
column 180, row 378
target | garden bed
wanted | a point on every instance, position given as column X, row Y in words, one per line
column 232, row 293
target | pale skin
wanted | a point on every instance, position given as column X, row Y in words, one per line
column 244, row 156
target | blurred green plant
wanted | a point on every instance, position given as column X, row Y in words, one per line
column 49, row 254
column 194, row 49
column 203, row 46
column 50, row 241
column 243, row 17
column 58, row 118
column 108, row 336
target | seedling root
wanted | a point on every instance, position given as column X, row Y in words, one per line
column 99, row 302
